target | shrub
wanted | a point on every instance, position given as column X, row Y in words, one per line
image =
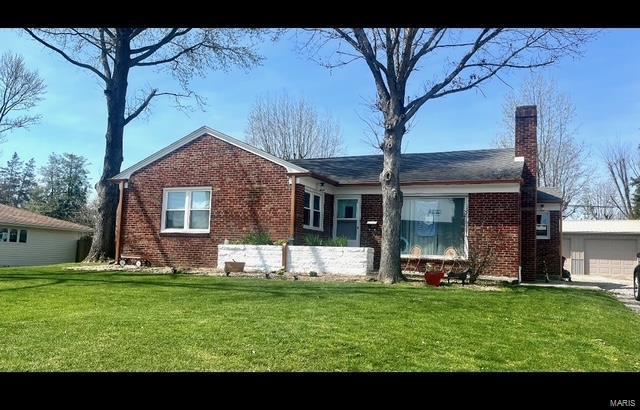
column 313, row 274
column 483, row 254
column 339, row 241
column 254, row 238
column 316, row 240
column 312, row 240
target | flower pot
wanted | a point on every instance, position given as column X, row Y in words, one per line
column 433, row 278
column 233, row 267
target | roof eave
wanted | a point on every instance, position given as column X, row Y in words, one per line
column 441, row 182
column 204, row 130
column 52, row 228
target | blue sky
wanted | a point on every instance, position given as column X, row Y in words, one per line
column 604, row 85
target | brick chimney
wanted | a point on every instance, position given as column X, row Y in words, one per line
column 527, row 147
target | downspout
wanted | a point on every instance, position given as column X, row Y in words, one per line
column 119, row 220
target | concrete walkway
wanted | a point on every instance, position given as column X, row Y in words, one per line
column 621, row 288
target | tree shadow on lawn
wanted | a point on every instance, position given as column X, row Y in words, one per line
column 275, row 288
column 566, row 293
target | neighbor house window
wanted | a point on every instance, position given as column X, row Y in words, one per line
column 313, row 209
column 186, row 210
column 13, row 235
column 433, row 224
column 542, row 225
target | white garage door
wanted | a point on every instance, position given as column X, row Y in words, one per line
column 609, row 256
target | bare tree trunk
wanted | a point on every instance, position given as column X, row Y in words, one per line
column 103, row 245
column 390, row 271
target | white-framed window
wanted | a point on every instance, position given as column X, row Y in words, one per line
column 543, row 228
column 13, row 235
column 186, row 210
column 313, row 209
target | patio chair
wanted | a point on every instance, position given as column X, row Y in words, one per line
column 414, row 257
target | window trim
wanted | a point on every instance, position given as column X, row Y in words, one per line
column 466, row 224
column 358, row 219
column 18, row 230
column 548, row 224
column 187, row 209
column 313, row 192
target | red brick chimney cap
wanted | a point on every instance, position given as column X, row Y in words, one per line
column 526, row 111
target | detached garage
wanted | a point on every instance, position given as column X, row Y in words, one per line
column 28, row 238
column 606, row 248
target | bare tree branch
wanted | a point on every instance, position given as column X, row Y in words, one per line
column 103, row 55
column 20, row 91
column 291, row 129
column 621, row 162
column 563, row 161
column 66, row 56
column 152, row 48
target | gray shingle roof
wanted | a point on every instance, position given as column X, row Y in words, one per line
column 477, row 165
column 549, row 194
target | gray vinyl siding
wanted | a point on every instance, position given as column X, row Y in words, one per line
column 43, row 247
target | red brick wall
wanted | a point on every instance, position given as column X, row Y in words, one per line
column 548, row 251
column 249, row 194
column 526, row 146
column 495, row 217
column 371, row 235
column 327, row 224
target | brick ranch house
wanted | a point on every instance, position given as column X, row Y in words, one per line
column 177, row 205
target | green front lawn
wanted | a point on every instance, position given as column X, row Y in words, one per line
column 51, row 319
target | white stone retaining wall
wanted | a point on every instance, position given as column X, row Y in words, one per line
column 257, row 258
column 301, row 259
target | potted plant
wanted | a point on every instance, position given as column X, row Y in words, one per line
column 233, row 267
column 433, row 278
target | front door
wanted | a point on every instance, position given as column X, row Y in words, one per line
column 347, row 219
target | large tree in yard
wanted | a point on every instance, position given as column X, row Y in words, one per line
column 111, row 54
column 453, row 61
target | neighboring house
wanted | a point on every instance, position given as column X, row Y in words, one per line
column 601, row 247
column 181, row 202
column 28, row 238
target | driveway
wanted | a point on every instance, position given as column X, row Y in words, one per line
column 621, row 288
